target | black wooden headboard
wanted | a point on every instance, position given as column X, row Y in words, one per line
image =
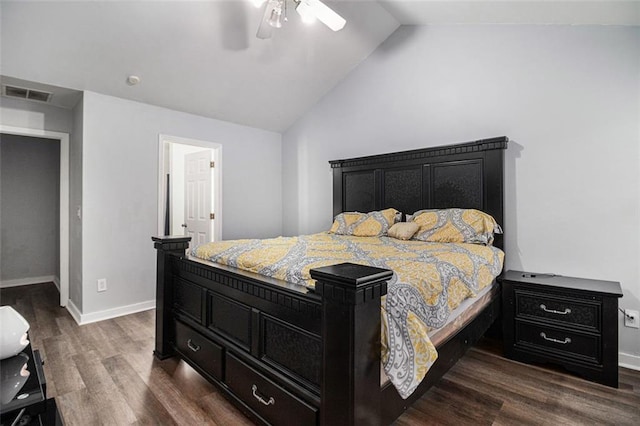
column 467, row 175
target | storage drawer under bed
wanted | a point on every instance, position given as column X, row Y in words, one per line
column 270, row 401
column 199, row 349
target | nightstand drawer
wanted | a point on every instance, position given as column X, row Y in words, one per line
column 584, row 314
column 559, row 342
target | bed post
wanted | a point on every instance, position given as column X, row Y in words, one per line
column 166, row 247
column 349, row 390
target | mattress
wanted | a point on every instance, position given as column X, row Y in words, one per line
column 430, row 281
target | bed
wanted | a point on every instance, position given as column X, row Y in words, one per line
column 285, row 353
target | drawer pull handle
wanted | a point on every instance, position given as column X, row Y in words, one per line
column 193, row 346
column 254, row 388
column 553, row 311
column 563, row 342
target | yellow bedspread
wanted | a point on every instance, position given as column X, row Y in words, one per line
column 429, row 281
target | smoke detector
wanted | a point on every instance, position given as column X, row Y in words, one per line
column 26, row 93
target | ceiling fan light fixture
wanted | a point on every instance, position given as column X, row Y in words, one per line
column 275, row 20
column 275, row 12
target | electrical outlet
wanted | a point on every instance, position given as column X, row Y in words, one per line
column 631, row 318
column 102, row 284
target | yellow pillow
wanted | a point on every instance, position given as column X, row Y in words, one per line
column 344, row 221
column 403, row 230
column 455, row 226
column 372, row 224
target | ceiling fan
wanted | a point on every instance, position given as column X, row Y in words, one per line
column 275, row 13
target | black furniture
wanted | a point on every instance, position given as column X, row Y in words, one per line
column 568, row 321
column 287, row 355
column 28, row 404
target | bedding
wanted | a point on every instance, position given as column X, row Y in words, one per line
column 455, row 226
column 458, row 319
column 430, row 280
column 372, row 224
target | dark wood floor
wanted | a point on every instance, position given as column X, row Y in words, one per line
column 104, row 373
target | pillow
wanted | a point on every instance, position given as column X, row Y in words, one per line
column 373, row 224
column 455, row 226
column 403, row 230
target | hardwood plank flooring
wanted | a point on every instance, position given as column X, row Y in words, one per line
column 105, row 374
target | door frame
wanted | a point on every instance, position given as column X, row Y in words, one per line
column 163, row 169
column 64, row 198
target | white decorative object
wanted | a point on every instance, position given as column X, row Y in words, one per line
column 13, row 332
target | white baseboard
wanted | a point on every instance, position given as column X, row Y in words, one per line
column 29, row 281
column 88, row 318
column 74, row 311
column 629, row 361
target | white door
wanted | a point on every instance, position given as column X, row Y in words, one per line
column 198, row 201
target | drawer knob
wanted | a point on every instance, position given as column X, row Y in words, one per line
column 553, row 311
column 254, row 389
column 193, row 346
column 563, row 342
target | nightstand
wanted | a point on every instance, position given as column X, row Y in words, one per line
column 568, row 321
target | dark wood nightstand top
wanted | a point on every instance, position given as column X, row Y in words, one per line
column 605, row 287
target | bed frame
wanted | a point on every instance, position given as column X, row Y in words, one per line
column 286, row 355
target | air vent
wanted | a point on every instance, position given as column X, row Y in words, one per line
column 24, row 93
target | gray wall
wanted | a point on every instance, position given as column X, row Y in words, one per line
column 75, row 202
column 567, row 96
column 29, row 207
column 120, row 192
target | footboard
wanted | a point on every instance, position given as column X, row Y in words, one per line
column 280, row 353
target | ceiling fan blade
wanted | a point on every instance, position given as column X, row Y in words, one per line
column 326, row 15
column 265, row 30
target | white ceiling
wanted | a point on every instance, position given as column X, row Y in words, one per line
column 203, row 57
column 566, row 12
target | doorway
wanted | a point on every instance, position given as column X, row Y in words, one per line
column 190, row 188
column 63, row 139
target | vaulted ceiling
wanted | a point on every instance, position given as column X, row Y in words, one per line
column 203, row 57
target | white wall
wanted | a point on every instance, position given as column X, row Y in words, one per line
column 567, row 96
column 32, row 115
column 120, row 192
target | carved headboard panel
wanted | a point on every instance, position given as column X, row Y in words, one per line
column 467, row 175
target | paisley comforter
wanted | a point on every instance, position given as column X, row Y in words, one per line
column 429, row 281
